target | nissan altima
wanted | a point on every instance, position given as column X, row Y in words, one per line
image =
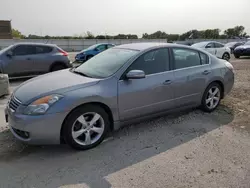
column 124, row 84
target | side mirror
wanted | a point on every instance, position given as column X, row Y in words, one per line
column 9, row 54
column 135, row 74
column 208, row 46
column 96, row 49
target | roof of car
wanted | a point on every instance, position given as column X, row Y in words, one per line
column 33, row 43
column 148, row 45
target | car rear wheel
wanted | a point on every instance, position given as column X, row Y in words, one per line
column 57, row 67
column 86, row 127
column 236, row 56
column 226, row 56
column 211, row 97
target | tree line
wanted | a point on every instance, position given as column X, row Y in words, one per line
column 235, row 32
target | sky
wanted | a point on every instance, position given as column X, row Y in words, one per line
column 75, row 17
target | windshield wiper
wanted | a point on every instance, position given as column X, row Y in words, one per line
column 80, row 73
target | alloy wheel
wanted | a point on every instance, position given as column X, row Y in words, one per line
column 213, row 97
column 88, row 128
column 226, row 57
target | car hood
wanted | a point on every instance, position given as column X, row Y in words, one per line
column 57, row 82
column 242, row 47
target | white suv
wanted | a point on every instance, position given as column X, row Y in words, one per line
column 215, row 48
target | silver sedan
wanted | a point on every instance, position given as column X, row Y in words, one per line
column 125, row 84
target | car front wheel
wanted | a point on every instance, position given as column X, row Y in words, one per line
column 86, row 127
column 211, row 97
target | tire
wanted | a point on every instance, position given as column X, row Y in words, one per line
column 207, row 96
column 57, row 67
column 236, row 56
column 72, row 126
column 226, row 56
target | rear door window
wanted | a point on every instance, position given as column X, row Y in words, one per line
column 210, row 45
column 186, row 58
column 43, row 49
column 218, row 45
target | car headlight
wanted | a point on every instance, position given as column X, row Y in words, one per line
column 40, row 106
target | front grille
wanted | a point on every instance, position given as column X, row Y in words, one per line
column 14, row 103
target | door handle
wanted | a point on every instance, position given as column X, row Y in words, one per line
column 206, row 72
column 167, row 82
column 28, row 58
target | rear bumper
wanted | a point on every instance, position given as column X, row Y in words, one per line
column 37, row 130
column 229, row 82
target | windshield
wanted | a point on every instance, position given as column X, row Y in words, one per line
column 6, row 49
column 106, row 63
column 91, row 47
column 247, row 43
column 200, row 44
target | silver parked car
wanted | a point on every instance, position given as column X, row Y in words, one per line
column 29, row 59
column 124, row 84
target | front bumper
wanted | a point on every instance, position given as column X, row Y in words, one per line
column 37, row 130
column 80, row 57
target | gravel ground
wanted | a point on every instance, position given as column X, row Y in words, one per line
column 186, row 149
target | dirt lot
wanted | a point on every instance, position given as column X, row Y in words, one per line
column 187, row 149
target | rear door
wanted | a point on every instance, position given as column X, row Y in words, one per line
column 21, row 63
column 191, row 75
column 43, row 59
column 210, row 47
column 219, row 49
column 154, row 93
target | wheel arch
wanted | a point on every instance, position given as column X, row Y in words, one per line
column 100, row 104
column 56, row 63
column 221, row 85
column 227, row 54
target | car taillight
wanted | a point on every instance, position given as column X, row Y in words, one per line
column 63, row 52
column 229, row 66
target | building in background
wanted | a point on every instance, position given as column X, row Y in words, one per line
column 5, row 29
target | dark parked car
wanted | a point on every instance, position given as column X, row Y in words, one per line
column 233, row 45
column 91, row 51
column 243, row 50
column 30, row 59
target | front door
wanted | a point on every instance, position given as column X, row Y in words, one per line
column 191, row 75
column 210, row 47
column 154, row 93
column 21, row 62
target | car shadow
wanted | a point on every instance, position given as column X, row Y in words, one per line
column 245, row 57
column 126, row 147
